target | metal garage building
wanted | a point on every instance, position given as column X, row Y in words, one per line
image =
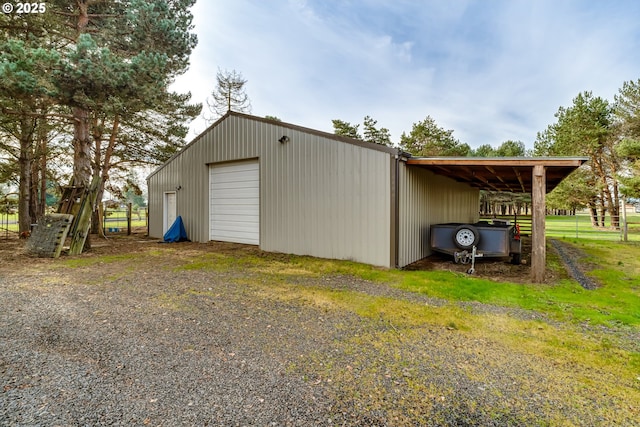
column 296, row 190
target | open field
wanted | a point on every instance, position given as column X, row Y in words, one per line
column 580, row 226
column 137, row 332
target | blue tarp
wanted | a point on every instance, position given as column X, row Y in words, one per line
column 176, row 233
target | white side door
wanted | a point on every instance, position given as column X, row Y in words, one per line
column 170, row 210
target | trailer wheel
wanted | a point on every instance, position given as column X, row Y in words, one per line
column 466, row 236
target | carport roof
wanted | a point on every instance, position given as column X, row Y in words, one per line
column 512, row 174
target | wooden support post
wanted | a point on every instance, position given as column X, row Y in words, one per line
column 538, row 237
column 129, row 209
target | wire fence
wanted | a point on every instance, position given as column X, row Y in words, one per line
column 8, row 218
column 114, row 221
column 127, row 220
column 124, row 220
column 579, row 226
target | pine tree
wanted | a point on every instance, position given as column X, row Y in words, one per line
column 94, row 62
column 428, row 139
column 228, row 95
column 371, row 133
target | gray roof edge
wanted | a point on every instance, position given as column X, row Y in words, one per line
column 364, row 144
column 357, row 142
column 189, row 144
column 545, row 158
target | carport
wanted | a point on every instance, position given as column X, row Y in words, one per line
column 534, row 175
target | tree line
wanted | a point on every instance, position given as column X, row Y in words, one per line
column 84, row 93
column 608, row 133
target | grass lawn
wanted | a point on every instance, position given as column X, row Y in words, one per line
column 616, row 266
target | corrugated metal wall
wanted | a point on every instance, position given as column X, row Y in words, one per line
column 318, row 196
column 425, row 199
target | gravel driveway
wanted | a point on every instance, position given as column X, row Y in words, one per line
column 137, row 338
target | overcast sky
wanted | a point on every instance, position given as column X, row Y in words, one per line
column 491, row 70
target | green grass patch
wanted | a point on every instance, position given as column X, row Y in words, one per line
column 616, row 266
column 212, row 261
column 82, row 262
column 614, row 303
column 572, row 362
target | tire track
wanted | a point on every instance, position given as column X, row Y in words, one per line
column 571, row 264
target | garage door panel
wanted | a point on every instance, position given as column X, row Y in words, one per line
column 237, row 238
column 240, row 210
column 238, row 227
column 235, row 193
column 230, row 178
column 234, row 209
column 235, row 167
column 231, row 175
column 228, row 220
column 217, row 185
column 235, row 202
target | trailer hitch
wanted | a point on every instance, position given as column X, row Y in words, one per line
column 466, row 257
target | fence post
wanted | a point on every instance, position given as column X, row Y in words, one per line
column 625, row 236
column 129, row 219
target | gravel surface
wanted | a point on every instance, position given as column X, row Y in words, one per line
column 138, row 339
column 571, row 258
column 110, row 355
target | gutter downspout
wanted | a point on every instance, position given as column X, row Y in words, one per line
column 401, row 156
column 396, row 209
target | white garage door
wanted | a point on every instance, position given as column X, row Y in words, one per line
column 234, row 198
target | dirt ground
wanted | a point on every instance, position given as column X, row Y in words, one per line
column 499, row 269
column 494, row 268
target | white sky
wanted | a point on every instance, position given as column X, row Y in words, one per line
column 491, row 70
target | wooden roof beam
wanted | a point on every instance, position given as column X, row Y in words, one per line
column 445, row 170
column 497, row 175
column 475, row 176
column 501, row 161
column 485, row 180
column 517, row 172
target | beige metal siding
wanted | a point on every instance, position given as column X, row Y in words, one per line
column 425, row 199
column 318, row 196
